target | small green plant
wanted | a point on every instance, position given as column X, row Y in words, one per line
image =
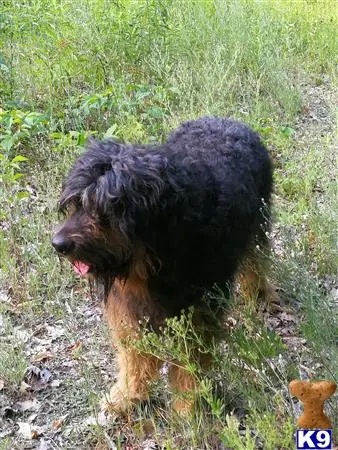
column 10, row 171
column 253, row 343
column 17, row 126
column 177, row 342
column 232, row 437
column 127, row 111
column 271, row 431
column 216, row 404
column 69, row 141
column 6, row 444
column 10, row 177
column 16, row 129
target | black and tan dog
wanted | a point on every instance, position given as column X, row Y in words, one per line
column 159, row 225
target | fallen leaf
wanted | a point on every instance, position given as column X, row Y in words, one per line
column 75, row 346
column 45, row 375
column 24, row 387
column 102, row 419
column 28, row 405
column 55, row 332
column 5, row 433
column 31, row 418
column 148, row 427
column 57, row 424
column 294, row 341
column 43, row 356
column 33, row 371
column 26, row 431
column 38, row 378
column 35, row 434
column 21, row 335
column 76, row 350
column 287, row 317
column 104, row 446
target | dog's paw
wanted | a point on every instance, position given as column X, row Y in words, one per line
column 115, row 401
column 183, row 406
column 270, row 299
column 119, row 401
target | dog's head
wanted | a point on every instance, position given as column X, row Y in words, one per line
column 112, row 191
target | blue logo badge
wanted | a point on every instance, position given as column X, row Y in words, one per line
column 314, row 439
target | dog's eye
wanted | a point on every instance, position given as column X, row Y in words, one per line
column 70, row 208
column 78, row 203
column 73, row 207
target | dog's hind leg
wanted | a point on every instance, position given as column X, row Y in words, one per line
column 183, row 385
column 252, row 276
column 184, row 379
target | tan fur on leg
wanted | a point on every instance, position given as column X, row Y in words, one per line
column 127, row 304
column 184, row 387
column 136, row 371
column 254, row 285
column 184, row 384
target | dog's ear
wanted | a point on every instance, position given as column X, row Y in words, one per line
column 130, row 189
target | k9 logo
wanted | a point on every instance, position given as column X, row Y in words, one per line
column 314, row 439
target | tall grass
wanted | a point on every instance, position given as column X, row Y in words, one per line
column 243, row 57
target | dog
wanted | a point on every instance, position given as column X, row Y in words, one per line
column 158, row 225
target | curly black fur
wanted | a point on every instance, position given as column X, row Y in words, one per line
column 190, row 209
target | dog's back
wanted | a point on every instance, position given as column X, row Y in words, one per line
column 229, row 153
column 219, row 182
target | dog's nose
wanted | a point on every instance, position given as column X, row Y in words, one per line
column 62, row 244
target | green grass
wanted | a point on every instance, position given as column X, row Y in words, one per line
column 13, row 362
column 218, row 55
column 135, row 70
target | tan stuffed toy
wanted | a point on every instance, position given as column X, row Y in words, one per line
column 313, row 396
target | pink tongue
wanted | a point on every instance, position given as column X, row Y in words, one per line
column 81, row 268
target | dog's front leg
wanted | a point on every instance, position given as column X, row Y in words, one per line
column 127, row 303
column 136, row 373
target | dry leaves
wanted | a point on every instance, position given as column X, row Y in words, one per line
column 28, row 405
column 38, row 379
column 57, row 424
column 43, row 356
column 27, row 431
